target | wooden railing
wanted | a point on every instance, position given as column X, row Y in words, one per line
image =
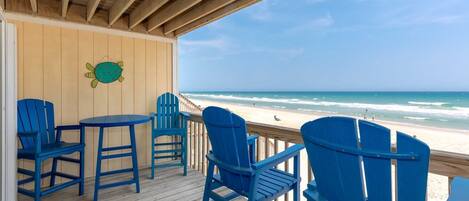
column 187, row 105
column 274, row 139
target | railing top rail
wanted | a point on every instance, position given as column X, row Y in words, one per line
column 444, row 163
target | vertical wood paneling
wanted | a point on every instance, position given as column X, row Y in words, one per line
column 52, row 76
column 33, row 83
column 140, row 100
column 100, row 104
column 86, row 98
column 161, row 68
column 34, row 75
column 168, row 67
column 127, row 90
column 52, row 63
column 115, row 100
column 150, row 82
column 69, row 67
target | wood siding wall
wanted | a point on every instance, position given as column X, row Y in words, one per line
column 51, row 66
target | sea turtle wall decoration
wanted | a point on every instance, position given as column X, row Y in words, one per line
column 105, row 72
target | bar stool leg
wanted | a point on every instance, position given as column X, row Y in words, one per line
column 98, row 164
column 134, row 158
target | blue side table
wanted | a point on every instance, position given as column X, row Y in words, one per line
column 115, row 121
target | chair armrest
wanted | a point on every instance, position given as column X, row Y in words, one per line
column 68, row 127
column 252, row 139
column 153, row 115
column 185, row 115
column 65, row 128
column 28, row 134
column 278, row 158
column 230, row 168
column 36, row 138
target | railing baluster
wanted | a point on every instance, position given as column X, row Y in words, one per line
column 188, row 142
column 266, row 147
column 197, row 149
column 276, row 148
column 193, row 145
column 450, row 180
column 287, row 167
column 204, row 150
column 200, row 147
column 258, row 148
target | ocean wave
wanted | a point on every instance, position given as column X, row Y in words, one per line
column 455, row 112
column 278, row 106
column 415, row 118
column 427, row 103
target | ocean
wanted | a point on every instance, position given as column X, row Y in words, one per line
column 437, row 109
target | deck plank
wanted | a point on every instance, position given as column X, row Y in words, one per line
column 168, row 185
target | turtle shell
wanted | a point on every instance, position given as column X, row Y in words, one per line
column 107, row 72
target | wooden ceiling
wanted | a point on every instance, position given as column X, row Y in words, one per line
column 169, row 18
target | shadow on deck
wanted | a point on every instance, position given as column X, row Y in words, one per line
column 169, row 185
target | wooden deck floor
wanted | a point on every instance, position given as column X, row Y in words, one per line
column 169, row 185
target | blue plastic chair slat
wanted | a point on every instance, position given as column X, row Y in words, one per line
column 25, row 125
column 378, row 171
column 337, row 177
column 41, row 120
column 257, row 181
column 344, row 167
column 33, row 118
column 50, row 121
column 412, row 174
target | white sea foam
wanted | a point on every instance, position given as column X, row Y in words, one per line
column 278, row 106
column 455, row 112
column 416, row 118
column 427, row 103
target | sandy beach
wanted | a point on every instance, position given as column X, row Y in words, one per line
column 437, row 138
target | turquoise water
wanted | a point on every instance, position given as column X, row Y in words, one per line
column 439, row 109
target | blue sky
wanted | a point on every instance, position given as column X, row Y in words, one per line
column 341, row 45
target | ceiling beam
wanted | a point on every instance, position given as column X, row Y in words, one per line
column 169, row 12
column 231, row 8
column 64, row 8
column 144, row 10
column 34, row 5
column 117, row 9
column 91, row 9
column 195, row 13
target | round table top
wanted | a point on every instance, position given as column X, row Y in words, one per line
column 115, row 120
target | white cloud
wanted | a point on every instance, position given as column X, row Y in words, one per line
column 439, row 12
column 313, row 24
column 217, row 43
column 262, row 11
column 285, row 53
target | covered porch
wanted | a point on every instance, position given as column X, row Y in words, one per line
column 56, row 39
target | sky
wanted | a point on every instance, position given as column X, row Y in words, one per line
column 331, row 45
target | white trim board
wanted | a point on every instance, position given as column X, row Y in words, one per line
column 85, row 27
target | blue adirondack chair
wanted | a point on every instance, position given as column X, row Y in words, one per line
column 168, row 121
column 351, row 161
column 256, row 181
column 41, row 140
column 459, row 189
